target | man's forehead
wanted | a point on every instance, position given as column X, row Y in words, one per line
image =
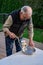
column 27, row 9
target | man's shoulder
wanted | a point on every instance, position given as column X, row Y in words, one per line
column 14, row 12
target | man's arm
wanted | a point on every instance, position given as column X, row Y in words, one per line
column 6, row 27
column 30, row 29
column 7, row 24
column 30, row 32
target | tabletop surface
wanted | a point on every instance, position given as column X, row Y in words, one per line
column 21, row 59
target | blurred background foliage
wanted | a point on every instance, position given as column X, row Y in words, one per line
column 6, row 6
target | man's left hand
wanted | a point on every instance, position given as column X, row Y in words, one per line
column 31, row 43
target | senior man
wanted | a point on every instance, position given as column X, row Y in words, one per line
column 14, row 26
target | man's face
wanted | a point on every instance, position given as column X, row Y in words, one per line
column 25, row 16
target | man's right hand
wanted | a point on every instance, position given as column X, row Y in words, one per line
column 12, row 35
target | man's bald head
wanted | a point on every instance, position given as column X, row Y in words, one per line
column 26, row 12
column 26, row 9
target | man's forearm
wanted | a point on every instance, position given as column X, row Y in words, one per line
column 31, row 35
column 6, row 31
column 10, row 34
column 30, row 32
column 30, row 29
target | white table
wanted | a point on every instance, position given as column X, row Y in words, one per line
column 21, row 59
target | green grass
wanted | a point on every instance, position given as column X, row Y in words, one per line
column 38, row 35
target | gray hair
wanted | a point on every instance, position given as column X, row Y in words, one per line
column 26, row 9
